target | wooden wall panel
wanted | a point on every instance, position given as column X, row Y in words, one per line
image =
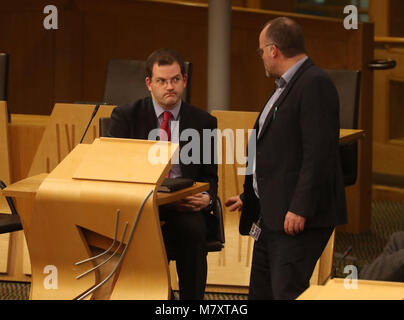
column 25, row 134
column 69, row 64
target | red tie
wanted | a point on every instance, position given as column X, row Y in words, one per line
column 165, row 125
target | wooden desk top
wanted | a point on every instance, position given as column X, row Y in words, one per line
column 28, row 187
column 367, row 290
column 25, row 188
column 349, row 135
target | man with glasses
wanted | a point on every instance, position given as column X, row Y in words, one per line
column 295, row 196
column 186, row 223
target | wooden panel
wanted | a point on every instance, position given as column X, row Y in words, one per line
column 388, row 142
column 63, row 132
column 73, row 59
column 231, row 266
column 25, row 134
column 379, row 13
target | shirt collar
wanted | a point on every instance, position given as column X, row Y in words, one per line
column 159, row 109
column 288, row 75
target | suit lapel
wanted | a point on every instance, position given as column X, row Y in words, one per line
column 185, row 118
column 185, row 121
column 149, row 121
column 285, row 92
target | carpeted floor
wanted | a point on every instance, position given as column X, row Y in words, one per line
column 387, row 218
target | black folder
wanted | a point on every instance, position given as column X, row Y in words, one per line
column 175, row 184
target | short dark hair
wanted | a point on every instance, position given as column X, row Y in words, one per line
column 164, row 57
column 287, row 35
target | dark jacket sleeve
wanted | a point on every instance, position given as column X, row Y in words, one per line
column 320, row 132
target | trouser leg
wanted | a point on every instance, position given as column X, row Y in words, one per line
column 185, row 234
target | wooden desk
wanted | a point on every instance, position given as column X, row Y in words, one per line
column 27, row 188
column 367, row 290
column 350, row 135
column 77, row 197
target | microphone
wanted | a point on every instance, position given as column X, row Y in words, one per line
column 91, row 119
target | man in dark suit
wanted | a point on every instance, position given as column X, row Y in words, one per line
column 186, row 223
column 295, row 195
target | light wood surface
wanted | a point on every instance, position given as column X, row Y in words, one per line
column 334, row 289
column 349, row 135
column 26, row 188
column 25, row 134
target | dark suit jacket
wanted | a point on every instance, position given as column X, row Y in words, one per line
column 298, row 166
column 135, row 121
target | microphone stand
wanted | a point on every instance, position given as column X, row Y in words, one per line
column 91, row 119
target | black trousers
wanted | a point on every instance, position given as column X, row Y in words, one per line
column 282, row 265
column 185, row 235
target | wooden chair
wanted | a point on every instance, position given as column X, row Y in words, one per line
column 347, row 83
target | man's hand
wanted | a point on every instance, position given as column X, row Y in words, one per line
column 234, row 203
column 195, row 202
column 294, row 223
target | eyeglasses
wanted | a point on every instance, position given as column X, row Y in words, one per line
column 260, row 51
column 160, row 82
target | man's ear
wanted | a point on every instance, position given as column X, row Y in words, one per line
column 185, row 77
column 148, row 83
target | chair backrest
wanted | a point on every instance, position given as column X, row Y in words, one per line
column 3, row 76
column 4, row 65
column 103, row 126
column 125, row 81
column 347, row 83
column 9, row 200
